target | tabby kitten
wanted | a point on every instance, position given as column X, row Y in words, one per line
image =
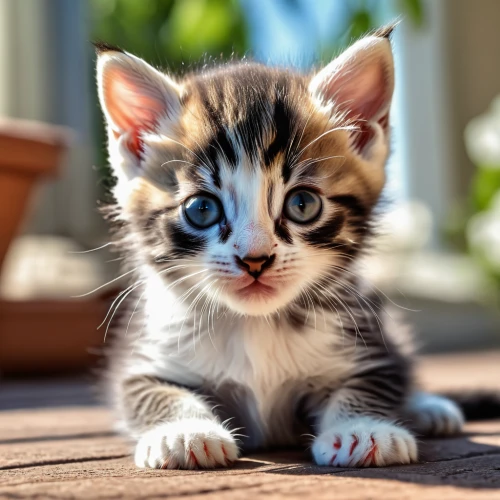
column 244, row 199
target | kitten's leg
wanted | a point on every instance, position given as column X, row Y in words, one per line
column 432, row 415
column 175, row 428
column 356, row 427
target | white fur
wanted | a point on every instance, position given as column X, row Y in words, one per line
column 237, row 341
column 364, row 442
column 434, row 415
column 186, row 444
column 244, row 350
column 186, row 340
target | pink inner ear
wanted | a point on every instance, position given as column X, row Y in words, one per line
column 133, row 106
column 360, row 91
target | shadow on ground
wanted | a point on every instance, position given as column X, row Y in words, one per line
column 465, row 461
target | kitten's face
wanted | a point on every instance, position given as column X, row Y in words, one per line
column 248, row 186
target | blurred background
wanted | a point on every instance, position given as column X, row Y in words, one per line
column 438, row 252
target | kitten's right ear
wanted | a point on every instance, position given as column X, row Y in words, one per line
column 358, row 85
column 136, row 98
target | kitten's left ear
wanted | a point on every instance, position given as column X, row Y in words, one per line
column 358, row 86
column 136, row 98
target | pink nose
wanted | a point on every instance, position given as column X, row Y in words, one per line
column 255, row 265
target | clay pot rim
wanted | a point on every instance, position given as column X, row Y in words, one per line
column 31, row 148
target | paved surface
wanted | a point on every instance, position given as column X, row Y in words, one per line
column 71, row 452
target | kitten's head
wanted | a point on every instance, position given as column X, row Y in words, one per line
column 248, row 184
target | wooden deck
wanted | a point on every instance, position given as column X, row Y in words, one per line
column 56, row 443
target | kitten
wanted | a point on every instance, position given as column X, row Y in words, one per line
column 244, row 198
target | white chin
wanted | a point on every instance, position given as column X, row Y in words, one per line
column 253, row 306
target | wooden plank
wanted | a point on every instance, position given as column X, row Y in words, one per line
column 39, row 424
column 71, row 452
column 476, row 477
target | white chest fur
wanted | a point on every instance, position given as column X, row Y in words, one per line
column 267, row 359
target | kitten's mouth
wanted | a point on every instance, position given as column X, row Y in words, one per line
column 256, row 288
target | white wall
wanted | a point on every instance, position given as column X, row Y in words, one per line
column 450, row 73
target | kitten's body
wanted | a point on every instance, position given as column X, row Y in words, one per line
column 258, row 319
column 264, row 374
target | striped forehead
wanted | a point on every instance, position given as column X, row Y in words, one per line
column 244, row 190
column 250, row 108
column 247, row 120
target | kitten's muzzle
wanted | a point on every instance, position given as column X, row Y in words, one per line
column 255, row 266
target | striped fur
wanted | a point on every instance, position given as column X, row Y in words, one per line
column 313, row 349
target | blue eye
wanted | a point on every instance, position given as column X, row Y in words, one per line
column 303, row 206
column 202, row 211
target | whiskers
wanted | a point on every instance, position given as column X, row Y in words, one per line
column 335, row 288
column 105, row 284
column 185, row 264
column 93, row 249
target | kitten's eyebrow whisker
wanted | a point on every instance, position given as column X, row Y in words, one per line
column 335, row 129
column 190, row 150
column 304, row 163
column 208, row 163
column 178, row 161
column 313, row 111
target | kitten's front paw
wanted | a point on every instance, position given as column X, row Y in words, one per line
column 433, row 415
column 364, row 442
column 186, row 444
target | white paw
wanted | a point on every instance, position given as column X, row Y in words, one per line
column 433, row 415
column 364, row 442
column 186, row 444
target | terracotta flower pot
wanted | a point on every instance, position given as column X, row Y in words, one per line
column 28, row 152
column 39, row 335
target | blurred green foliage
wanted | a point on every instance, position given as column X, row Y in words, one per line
column 414, row 10
column 366, row 16
column 485, row 185
column 171, row 33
